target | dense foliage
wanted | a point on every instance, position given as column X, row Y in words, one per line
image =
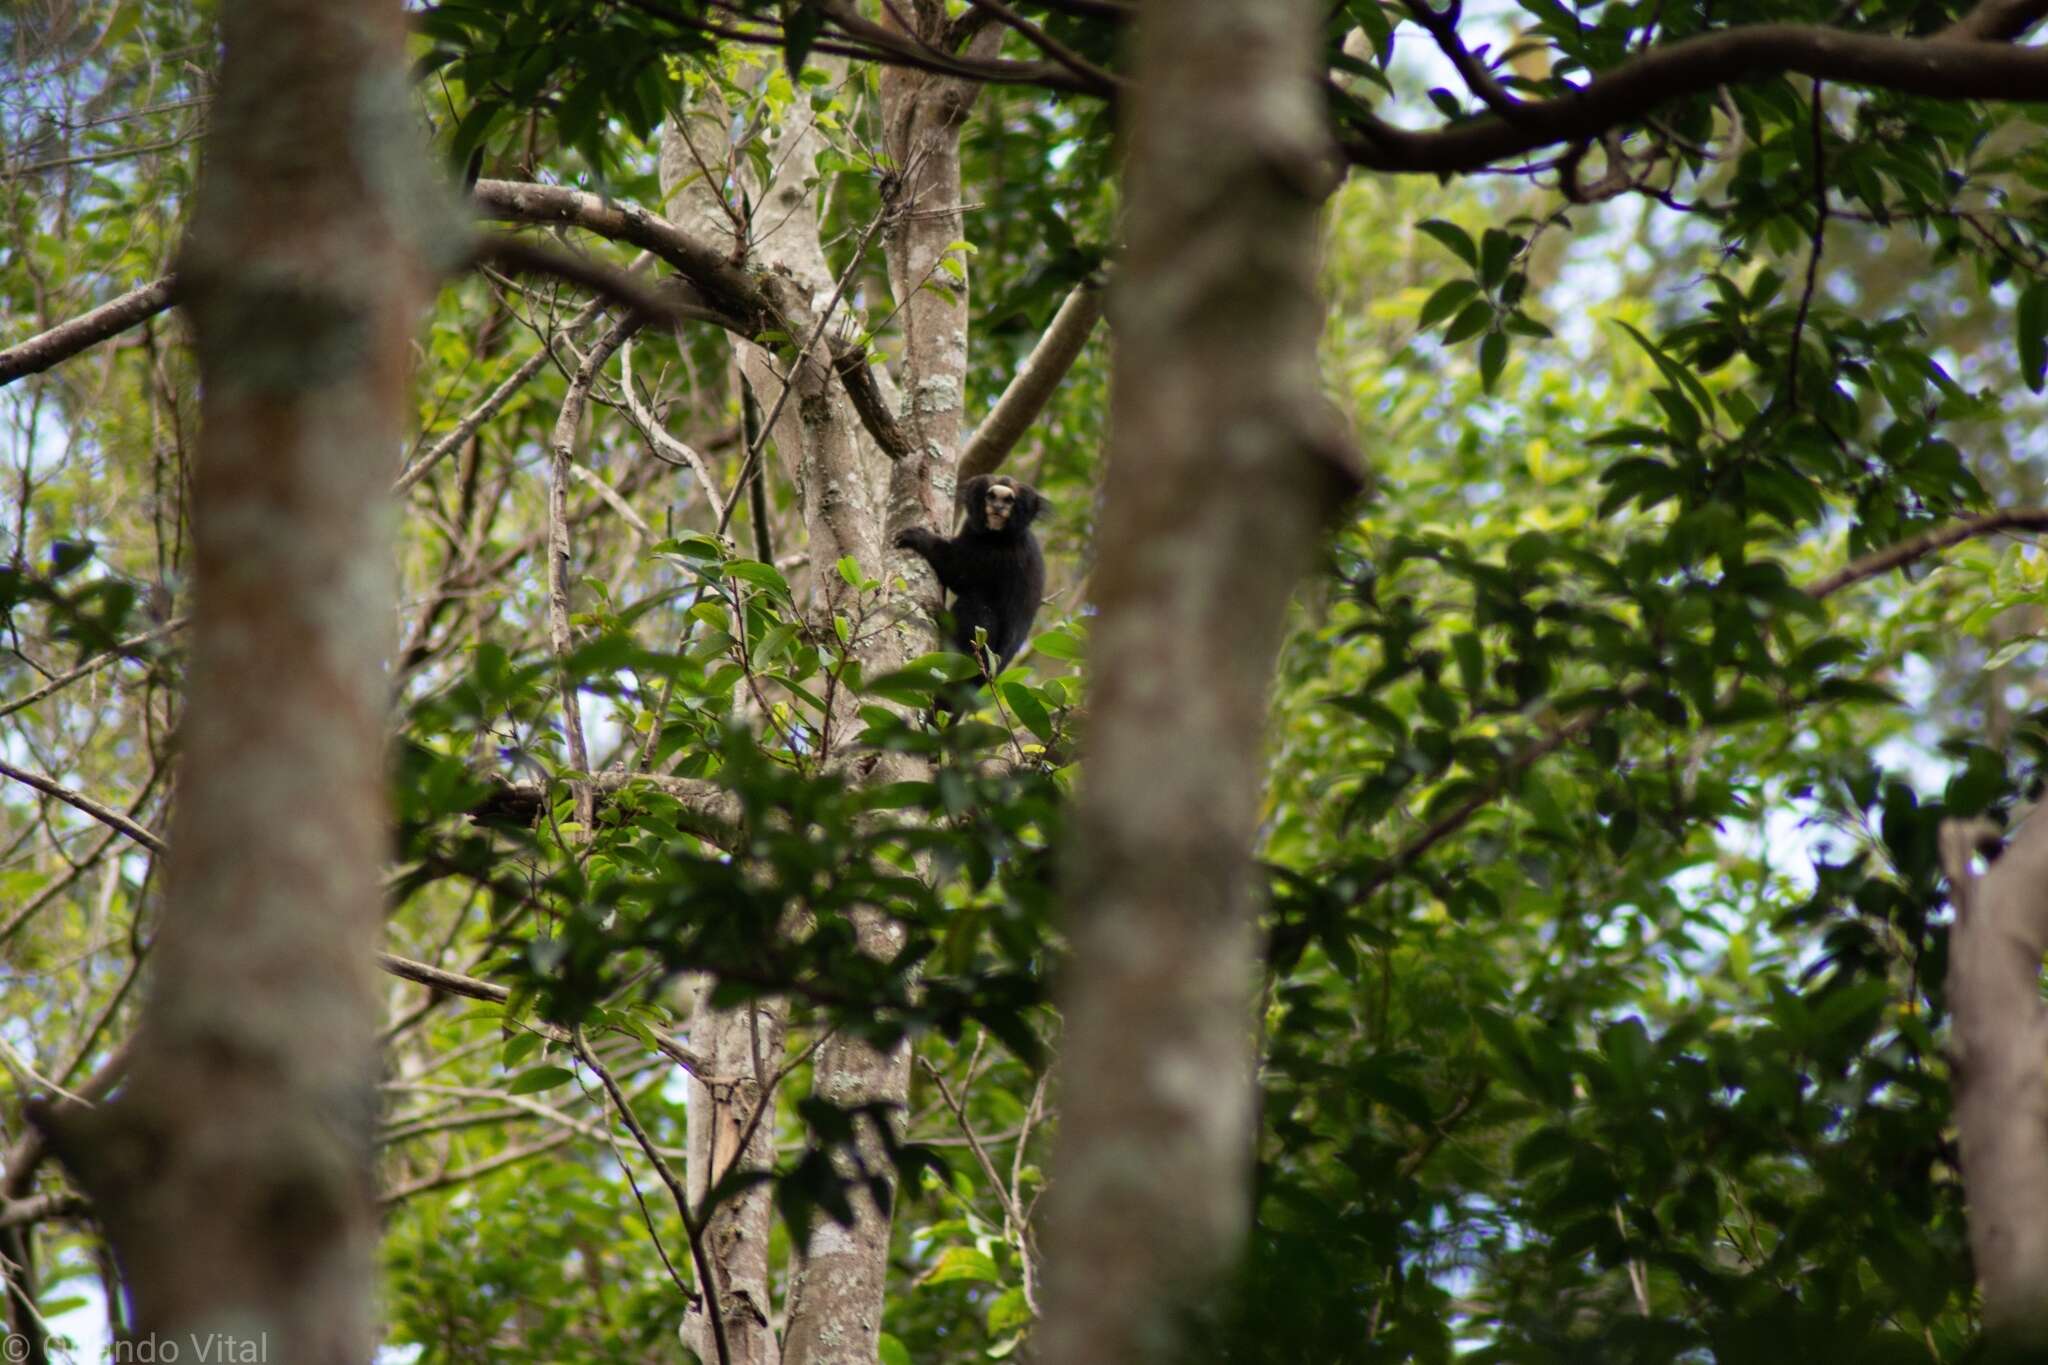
column 1602, row 1013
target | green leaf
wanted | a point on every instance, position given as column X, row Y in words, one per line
column 906, row 686
column 1473, row 319
column 948, row 664
column 1471, row 657
column 2032, row 325
column 1026, row 707
column 962, row 1263
column 1681, row 377
column 1493, row 358
column 539, row 1078
column 1447, row 299
column 2010, row 650
column 1496, row 252
column 1061, row 642
column 1454, row 238
column 760, row 575
column 475, row 127
column 1008, row 1313
column 692, row 547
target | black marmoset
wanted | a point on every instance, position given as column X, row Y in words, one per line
column 993, row 568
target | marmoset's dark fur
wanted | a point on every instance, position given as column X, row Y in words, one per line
column 993, row 568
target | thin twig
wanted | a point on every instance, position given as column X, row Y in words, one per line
column 443, row 1179
column 484, row 411
column 1820, row 225
column 610, row 496
column 707, row 1283
column 106, row 815
column 562, row 447
column 665, row 447
column 59, row 885
column 782, row 1073
column 1443, row 27
column 469, row 987
column 123, row 650
column 753, row 457
column 1012, row 1213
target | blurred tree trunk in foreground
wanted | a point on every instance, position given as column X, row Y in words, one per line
column 233, row 1170
column 1223, row 467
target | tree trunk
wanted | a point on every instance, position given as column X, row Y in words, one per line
column 233, row 1172
column 743, row 1046
column 854, row 501
column 1225, row 464
column 839, row 1281
column 1999, row 1051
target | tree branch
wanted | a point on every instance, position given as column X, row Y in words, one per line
column 1944, row 67
column 470, row 988
column 106, row 815
column 1906, row 551
column 736, row 301
column 1997, row 21
column 887, row 44
column 123, row 650
column 709, row 811
column 864, row 40
column 1088, row 72
column 67, row 339
column 1035, row 382
column 40, row 1208
column 672, row 301
column 729, row 295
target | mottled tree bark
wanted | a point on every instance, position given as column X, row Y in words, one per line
column 742, row 1046
column 233, row 1171
column 839, row 1280
column 1999, row 1051
column 854, row 500
column 1224, row 466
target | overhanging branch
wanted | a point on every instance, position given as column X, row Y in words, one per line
column 1943, row 67
column 672, row 300
column 726, row 292
column 734, row 299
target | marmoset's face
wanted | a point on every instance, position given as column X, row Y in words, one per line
column 997, row 505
